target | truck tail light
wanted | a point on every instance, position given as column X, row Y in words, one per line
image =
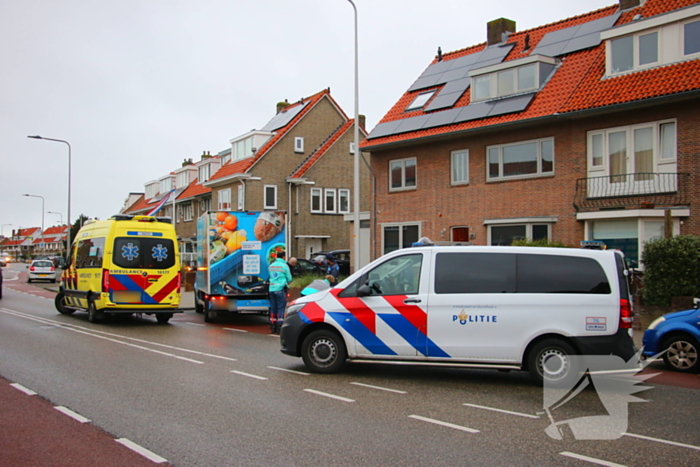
column 626, row 316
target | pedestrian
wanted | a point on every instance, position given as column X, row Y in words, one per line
column 332, row 267
column 292, row 263
column 280, row 277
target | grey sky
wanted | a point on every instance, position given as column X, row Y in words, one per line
column 138, row 86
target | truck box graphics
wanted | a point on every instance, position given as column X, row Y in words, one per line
column 234, row 250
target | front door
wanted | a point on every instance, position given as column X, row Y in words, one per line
column 312, row 246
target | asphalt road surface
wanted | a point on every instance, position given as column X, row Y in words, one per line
column 196, row 394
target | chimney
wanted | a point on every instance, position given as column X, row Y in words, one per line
column 627, row 4
column 497, row 30
column 362, row 121
column 205, row 155
column 282, row 105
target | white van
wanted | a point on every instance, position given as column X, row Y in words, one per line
column 476, row 306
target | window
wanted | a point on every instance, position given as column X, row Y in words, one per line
column 352, row 147
column 89, row 253
column 420, row 100
column 402, row 174
column 188, row 212
column 399, row 236
column 460, row 234
column 329, row 205
column 166, row 185
column 460, row 167
column 225, row 200
column 205, row 204
column 634, row 52
column 398, row 276
column 316, row 200
column 242, row 149
column 183, row 179
column 506, row 82
column 691, row 38
column 521, row 160
column 143, row 253
column 241, row 198
column 344, row 201
column 622, row 54
column 270, row 196
column 299, row 144
column 482, row 87
column 504, row 234
column 204, row 173
column 226, row 157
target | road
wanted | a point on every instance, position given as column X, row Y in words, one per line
column 223, row 394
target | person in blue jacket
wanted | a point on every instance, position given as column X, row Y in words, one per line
column 280, row 277
column 332, row 267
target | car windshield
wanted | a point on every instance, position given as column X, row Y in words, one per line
column 42, row 264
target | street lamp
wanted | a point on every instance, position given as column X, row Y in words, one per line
column 42, row 217
column 356, row 166
column 54, row 212
column 69, row 226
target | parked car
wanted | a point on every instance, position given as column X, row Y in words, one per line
column 41, row 269
column 342, row 257
column 304, row 267
column 677, row 335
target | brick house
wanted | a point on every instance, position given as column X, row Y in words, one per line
column 301, row 162
column 584, row 129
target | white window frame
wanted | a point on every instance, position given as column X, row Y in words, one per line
column 241, row 198
column 464, row 164
column 400, row 225
column 188, row 212
column 299, row 144
column 494, row 73
column 539, row 172
column 205, row 204
column 224, row 199
column 343, row 193
column 691, row 55
column 636, row 65
column 204, row 173
column 352, row 147
column 316, row 193
column 527, row 222
column 266, row 200
column 403, row 186
column 326, row 197
column 420, row 100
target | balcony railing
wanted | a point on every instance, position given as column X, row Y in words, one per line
column 634, row 190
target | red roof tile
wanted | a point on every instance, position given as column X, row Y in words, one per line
column 194, row 189
column 577, row 84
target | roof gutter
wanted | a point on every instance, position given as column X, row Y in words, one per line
column 230, row 178
column 667, row 99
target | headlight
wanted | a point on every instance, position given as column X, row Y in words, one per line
column 656, row 322
column 293, row 309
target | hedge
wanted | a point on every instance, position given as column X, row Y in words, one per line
column 672, row 269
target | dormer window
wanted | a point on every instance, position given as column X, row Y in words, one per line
column 510, row 78
column 634, row 52
column 420, row 100
column 691, row 38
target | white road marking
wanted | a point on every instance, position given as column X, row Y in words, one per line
column 590, row 459
column 446, row 424
column 673, row 443
column 150, row 455
column 502, row 411
column 332, row 396
column 379, row 387
column 194, row 324
column 71, row 414
column 289, row 371
column 249, row 375
column 237, row 330
column 27, row 391
column 93, row 332
column 274, row 335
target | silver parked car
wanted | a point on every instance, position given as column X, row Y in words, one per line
column 41, row 269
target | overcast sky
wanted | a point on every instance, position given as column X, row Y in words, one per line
column 136, row 87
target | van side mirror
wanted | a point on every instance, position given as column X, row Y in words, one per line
column 364, row 291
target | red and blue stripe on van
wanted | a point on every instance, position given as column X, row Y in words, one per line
column 151, row 289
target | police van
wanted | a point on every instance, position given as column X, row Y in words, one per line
column 125, row 264
column 508, row 308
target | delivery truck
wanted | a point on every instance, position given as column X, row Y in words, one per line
column 234, row 250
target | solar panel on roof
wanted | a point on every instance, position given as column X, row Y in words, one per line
column 283, row 118
column 411, row 124
column 510, row 105
column 442, row 118
column 574, row 38
column 384, row 129
column 443, row 101
column 474, row 111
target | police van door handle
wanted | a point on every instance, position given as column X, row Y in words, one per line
column 412, row 300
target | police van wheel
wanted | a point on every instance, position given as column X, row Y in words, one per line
column 163, row 318
column 60, row 303
column 551, row 360
column 94, row 316
column 323, row 351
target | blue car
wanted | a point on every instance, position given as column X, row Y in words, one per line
column 678, row 335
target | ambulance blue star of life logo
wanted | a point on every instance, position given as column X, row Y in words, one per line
column 160, row 252
column 130, row 251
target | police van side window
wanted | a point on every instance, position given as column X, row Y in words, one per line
column 90, row 253
column 474, row 273
column 561, row 275
column 398, row 276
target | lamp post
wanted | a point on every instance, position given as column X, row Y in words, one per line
column 356, row 166
column 69, row 157
column 42, row 217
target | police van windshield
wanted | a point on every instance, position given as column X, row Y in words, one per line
column 143, row 253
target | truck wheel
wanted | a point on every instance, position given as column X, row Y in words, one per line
column 198, row 307
column 551, row 360
column 94, row 316
column 60, row 304
column 163, row 318
column 682, row 354
column 209, row 316
column 323, row 351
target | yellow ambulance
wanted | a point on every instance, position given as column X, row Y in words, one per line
column 125, row 264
